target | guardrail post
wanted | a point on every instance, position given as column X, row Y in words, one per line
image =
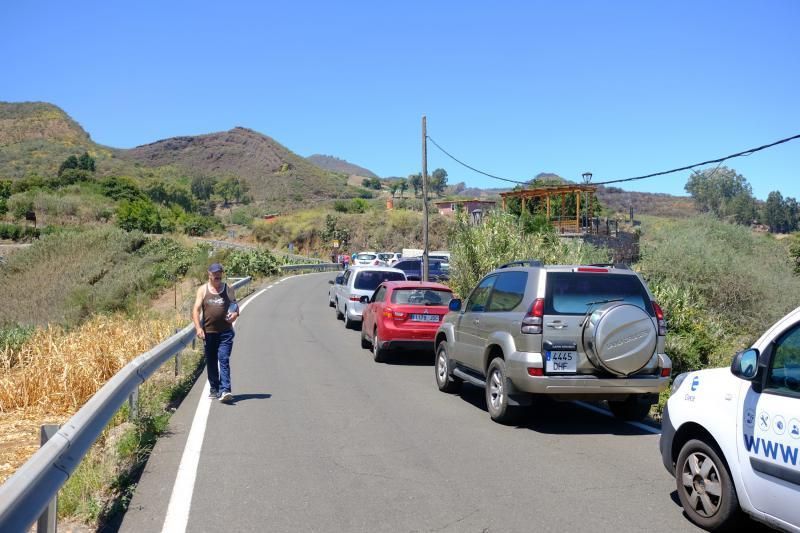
column 133, row 403
column 177, row 359
column 47, row 522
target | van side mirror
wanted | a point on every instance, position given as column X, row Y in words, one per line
column 454, row 305
column 330, row 282
column 745, row 365
column 364, row 299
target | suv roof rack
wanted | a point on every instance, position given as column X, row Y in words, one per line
column 524, row 262
column 621, row 266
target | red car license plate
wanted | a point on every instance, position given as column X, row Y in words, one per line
column 425, row 318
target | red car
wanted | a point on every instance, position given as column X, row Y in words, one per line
column 403, row 314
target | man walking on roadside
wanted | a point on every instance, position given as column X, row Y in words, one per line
column 217, row 302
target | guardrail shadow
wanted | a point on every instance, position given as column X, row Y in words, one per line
column 557, row 417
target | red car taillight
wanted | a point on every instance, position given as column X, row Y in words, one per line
column 535, row 371
column 355, row 298
column 396, row 315
column 662, row 323
column 532, row 323
column 666, row 372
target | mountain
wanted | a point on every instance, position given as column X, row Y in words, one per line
column 335, row 164
column 36, row 137
column 274, row 173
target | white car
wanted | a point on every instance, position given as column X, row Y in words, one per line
column 358, row 282
column 367, row 259
column 731, row 437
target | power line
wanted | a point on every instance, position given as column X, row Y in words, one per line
column 687, row 167
column 473, row 168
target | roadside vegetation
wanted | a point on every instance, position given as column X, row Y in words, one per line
column 80, row 310
column 721, row 286
column 503, row 237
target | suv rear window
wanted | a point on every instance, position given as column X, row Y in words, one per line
column 421, row 296
column 568, row 293
column 368, row 280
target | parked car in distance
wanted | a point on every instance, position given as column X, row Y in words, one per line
column 569, row 332
column 438, row 269
column 367, row 258
column 332, row 289
column 403, row 315
column 358, row 282
column 388, row 258
column 731, row 437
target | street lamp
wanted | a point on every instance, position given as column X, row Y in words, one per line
column 587, row 177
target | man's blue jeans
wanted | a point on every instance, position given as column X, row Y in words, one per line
column 218, row 348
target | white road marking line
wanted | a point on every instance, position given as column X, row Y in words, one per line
column 180, row 502
column 602, row 411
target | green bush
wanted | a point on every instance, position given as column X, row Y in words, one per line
column 16, row 232
column 500, row 238
column 140, row 215
column 744, row 279
column 251, row 263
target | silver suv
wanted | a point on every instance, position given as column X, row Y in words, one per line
column 588, row 332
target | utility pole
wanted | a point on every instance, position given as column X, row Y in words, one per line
column 424, row 199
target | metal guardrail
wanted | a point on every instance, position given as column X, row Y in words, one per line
column 311, row 266
column 27, row 493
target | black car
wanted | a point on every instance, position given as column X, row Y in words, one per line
column 438, row 270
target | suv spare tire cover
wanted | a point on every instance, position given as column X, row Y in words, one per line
column 620, row 337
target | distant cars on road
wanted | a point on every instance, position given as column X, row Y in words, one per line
column 438, row 269
column 403, row 315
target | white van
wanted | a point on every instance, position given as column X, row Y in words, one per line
column 731, row 437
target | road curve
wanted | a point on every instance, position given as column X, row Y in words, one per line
column 321, row 438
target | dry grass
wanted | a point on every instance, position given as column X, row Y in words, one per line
column 56, row 371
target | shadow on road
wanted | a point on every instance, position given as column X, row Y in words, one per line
column 558, row 418
column 409, row 358
column 244, row 397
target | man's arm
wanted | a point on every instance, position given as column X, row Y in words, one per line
column 198, row 306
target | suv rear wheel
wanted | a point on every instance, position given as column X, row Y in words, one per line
column 635, row 408
column 705, row 487
column 444, row 380
column 497, row 393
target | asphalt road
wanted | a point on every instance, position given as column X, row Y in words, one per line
column 321, row 438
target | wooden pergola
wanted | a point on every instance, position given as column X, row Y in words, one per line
column 564, row 224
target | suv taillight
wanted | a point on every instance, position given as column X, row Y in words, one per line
column 662, row 323
column 532, row 323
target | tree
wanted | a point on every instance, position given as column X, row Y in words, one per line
column 141, row 214
column 70, row 162
column 121, row 188
column 714, row 190
column 403, row 187
column 393, row 188
column 203, row 187
column 415, row 181
column 438, row 181
column 86, row 162
column 775, row 212
column 230, row 189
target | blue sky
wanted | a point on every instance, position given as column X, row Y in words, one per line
column 516, row 88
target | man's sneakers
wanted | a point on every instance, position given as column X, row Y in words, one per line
column 226, row 397
column 213, row 395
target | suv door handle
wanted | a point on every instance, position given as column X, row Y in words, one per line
column 556, row 325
